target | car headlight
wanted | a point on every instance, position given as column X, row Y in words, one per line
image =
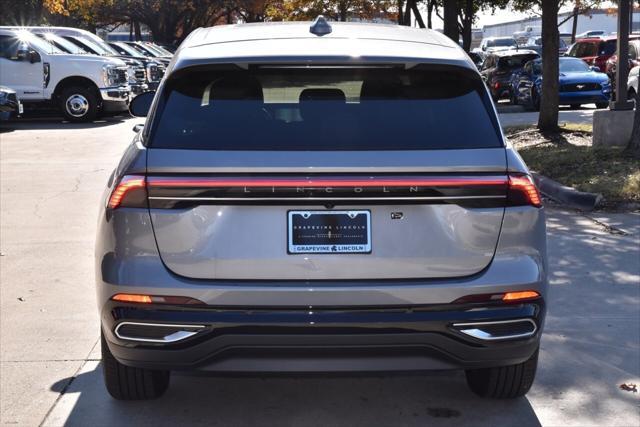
column 111, row 77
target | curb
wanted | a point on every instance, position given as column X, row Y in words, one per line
column 567, row 195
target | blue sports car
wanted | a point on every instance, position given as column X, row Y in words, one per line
column 579, row 84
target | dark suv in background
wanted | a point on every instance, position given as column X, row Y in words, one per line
column 499, row 67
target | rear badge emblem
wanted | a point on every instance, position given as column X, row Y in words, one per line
column 397, row 215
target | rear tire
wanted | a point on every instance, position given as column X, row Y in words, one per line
column 504, row 382
column 79, row 104
column 535, row 100
column 575, row 106
column 126, row 383
column 602, row 104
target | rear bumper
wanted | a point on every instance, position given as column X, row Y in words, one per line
column 325, row 340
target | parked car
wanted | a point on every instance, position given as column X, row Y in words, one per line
column 478, row 58
column 632, row 84
column 78, row 41
column 499, row 67
column 591, row 34
column 535, row 44
column 498, row 43
column 566, row 38
column 81, row 86
column 148, row 49
column 634, row 59
column 521, row 37
column 259, row 222
column 154, row 68
column 579, row 84
column 10, row 105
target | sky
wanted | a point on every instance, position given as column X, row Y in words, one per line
column 504, row 15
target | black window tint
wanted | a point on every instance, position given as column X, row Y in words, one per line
column 325, row 109
column 9, row 47
column 608, row 48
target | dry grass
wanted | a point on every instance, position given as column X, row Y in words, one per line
column 567, row 157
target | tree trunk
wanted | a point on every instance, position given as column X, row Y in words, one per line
column 634, row 144
column 451, row 19
column 430, row 5
column 400, row 13
column 417, row 14
column 467, row 24
column 136, row 30
column 574, row 27
column 407, row 13
column 548, row 119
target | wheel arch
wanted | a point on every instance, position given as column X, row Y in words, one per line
column 76, row 81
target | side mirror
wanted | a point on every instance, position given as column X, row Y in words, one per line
column 140, row 105
column 137, row 128
column 34, row 56
column 595, row 69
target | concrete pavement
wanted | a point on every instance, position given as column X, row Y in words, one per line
column 49, row 350
column 581, row 116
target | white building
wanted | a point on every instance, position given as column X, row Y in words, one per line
column 595, row 20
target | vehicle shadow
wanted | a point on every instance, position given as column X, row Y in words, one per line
column 439, row 398
column 42, row 122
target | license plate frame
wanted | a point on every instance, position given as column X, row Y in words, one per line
column 334, row 241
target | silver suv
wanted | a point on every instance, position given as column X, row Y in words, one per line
column 320, row 198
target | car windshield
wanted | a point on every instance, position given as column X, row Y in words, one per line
column 125, row 49
column 159, row 49
column 336, row 108
column 39, row 44
column 501, row 43
column 568, row 65
column 95, row 47
column 63, row 44
column 515, row 61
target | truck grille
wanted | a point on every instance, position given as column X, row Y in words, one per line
column 155, row 72
column 579, row 87
column 121, row 76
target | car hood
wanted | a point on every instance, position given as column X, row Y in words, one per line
column 92, row 59
column 583, row 77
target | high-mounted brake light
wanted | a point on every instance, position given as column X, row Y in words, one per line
column 130, row 191
column 523, row 191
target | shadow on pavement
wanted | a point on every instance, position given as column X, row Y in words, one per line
column 436, row 398
column 44, row 122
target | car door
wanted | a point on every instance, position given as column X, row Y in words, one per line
column 20, row 68
column 525, row 84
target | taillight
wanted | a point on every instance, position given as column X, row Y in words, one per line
column 523, row 192
column 130, row 192
column 496, row 85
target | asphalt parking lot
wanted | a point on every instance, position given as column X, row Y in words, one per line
column 51, row 178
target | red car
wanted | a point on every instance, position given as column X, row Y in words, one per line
column 596, row 51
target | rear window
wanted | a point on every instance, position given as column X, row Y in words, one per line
column 330, row 108
column 515, row 61
column 608, row 48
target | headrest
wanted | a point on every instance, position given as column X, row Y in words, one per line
column 236, row 87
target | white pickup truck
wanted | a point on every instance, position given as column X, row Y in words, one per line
column 81, row 86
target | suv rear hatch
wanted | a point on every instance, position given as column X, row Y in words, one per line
column 312, row 173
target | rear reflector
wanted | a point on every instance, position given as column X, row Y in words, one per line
column 521, row 295
column 130, row 192
column 156, row 299
column 505, row 297
column 522, row 191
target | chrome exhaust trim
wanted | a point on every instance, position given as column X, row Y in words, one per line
column 481, row 330
column 179, row 335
